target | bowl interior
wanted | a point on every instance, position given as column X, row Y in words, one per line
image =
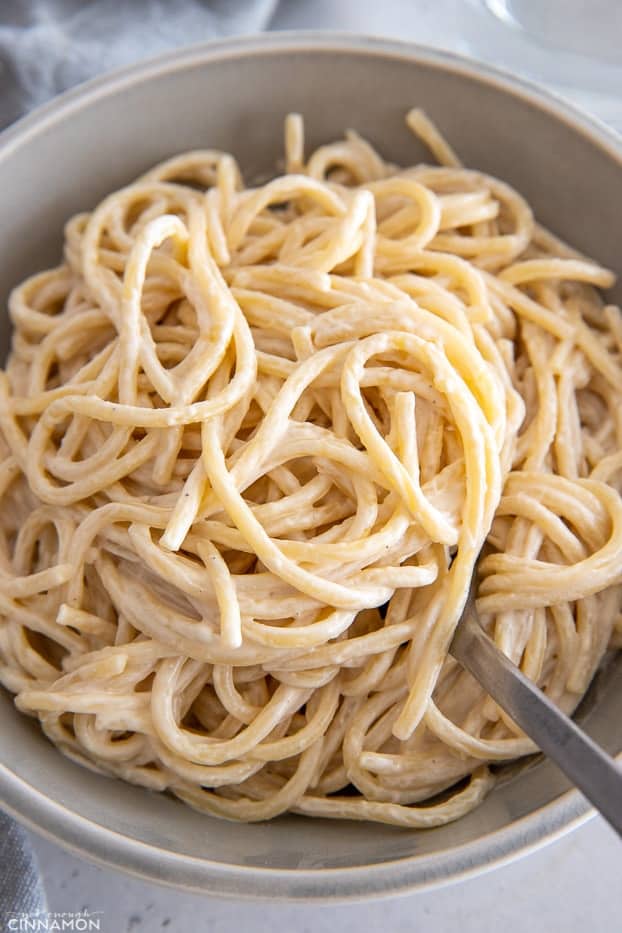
column 234, row 97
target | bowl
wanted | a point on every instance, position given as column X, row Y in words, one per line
column 233, row 95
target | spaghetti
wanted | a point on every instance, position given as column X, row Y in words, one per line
column 253, row 441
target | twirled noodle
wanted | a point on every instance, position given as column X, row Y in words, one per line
column 254, row 440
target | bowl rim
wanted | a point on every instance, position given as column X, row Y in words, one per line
column 85, row 837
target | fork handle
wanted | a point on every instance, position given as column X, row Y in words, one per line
column 590, row 768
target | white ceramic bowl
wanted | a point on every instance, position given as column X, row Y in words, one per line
column 233, row 95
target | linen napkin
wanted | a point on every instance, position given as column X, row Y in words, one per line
column 21, row 890
column 47, row 46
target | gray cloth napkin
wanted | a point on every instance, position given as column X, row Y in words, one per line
column 21, row 890
column 47, row 46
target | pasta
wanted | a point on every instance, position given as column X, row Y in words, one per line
column 254, row 440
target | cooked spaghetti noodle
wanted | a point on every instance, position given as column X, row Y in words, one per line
column 254, row 440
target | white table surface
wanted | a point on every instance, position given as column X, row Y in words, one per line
column 573, row 885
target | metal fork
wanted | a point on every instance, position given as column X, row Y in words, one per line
column 591, row 769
